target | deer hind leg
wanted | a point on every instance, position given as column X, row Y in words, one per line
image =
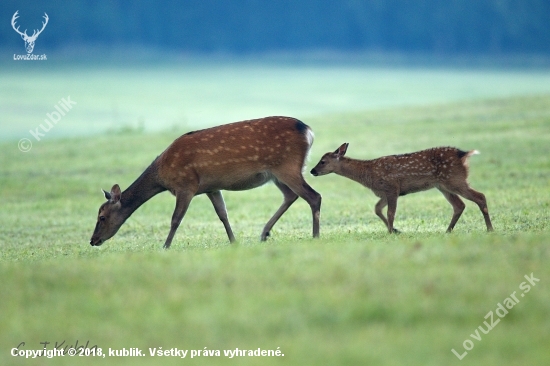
column 289, row 197
column 299, row 186
column 182, row 204
column 479, row 198
column 458, row 207
column 219, row 205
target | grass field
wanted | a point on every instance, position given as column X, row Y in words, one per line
column 356, row 296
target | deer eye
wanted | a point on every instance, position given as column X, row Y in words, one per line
column 322, row 162
column 101, row 218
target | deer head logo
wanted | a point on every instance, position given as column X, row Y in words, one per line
column 29, row 41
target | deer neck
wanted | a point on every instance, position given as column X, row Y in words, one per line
column 357, row 170
column 141, row 190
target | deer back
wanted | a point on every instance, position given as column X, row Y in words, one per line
column 424, row 169
column 235, row 156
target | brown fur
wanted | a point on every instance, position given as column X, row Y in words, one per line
column 236, row 156
column 444, row 168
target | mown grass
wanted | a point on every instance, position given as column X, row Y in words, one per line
column 356, row 296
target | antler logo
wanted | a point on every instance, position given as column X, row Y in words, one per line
column 29, row 41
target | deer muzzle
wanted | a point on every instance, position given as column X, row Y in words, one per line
column 96, row 241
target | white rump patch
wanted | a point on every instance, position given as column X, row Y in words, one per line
column 310, row 136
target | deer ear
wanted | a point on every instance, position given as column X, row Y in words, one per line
column 341, row 151
column 115, row 194
column 106, row 194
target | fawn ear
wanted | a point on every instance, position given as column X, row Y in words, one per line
column 341, row 151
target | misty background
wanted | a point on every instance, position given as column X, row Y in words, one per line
column 145, row 65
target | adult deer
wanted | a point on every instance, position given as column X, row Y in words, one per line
column 444, row 168
column 29, row 41
column 236, row 156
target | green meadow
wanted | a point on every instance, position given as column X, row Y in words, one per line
column 356, row 296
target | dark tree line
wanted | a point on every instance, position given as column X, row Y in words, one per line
column 248, row 26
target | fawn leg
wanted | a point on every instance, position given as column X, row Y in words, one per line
column 479, row 199
column 458, row 207
column 392, row 207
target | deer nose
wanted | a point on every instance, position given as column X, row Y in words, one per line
column 314, row 172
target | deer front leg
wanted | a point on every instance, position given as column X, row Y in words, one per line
column 182, row 203
column 219, row 205
column 378, row 210
column 392, row 207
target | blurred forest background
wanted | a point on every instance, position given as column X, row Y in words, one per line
column 451, row 27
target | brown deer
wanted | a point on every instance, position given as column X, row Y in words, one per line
column 235, row 157
column 444, row 168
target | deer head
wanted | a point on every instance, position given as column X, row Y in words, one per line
column 329, row 163
column 29, row 41
column 109, row 218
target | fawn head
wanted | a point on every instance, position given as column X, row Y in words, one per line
column 109, row 217
column 330, row 161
